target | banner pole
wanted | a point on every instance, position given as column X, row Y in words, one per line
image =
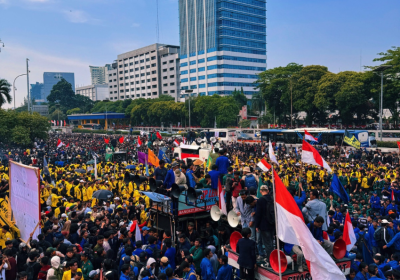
column 276, row 224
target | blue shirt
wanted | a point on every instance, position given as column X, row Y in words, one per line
column 170, row 254
column 300, row 200
column 214, row 174
column 124, row 277
column 360, row 276
column 375, row 202
column 315, row 231
column 162, row 270
column 169, row 179
column 223, row 163
column 138, row 251
column 191, row 277
column 225, row 272
column 207, row 270
column 395, row 241
column 192, row 182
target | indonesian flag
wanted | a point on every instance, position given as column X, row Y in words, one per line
column 184, row 140
column 292, row 229
column 59, row 143
column 65, row 123
column 271, row 153
column 264, row 165
column 392, row 197
column 121, row 139
column 309, row 137
column 139, row 142
column 176, row 142
column 221, row 201
column 348, row 233
column 57, row 123
column 106, row 140
column 158, row 135
column 311, row 156
column 67, row 145
column 61, row 123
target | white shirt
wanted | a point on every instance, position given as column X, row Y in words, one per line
column 3, row 271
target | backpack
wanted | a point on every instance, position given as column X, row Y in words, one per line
column 193, row 273
column 48, row 201
column 30, row 271
column 378, row 234
column 250, row 182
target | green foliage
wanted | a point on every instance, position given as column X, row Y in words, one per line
column 225, row 109
column 387, row 144
column 57, row 115
column 5, row 89
column 244, row 123
column 239, row 97
column 73, row 111
column 22, row 128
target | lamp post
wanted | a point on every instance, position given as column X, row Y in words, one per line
column 380, row 70
column 15, row 88
column 27, row 84
column 189, row 91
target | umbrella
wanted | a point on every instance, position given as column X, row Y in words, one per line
column 130, row 167
column 102, row 194
column 156, row 196
column 80, row 171
column 90, row 162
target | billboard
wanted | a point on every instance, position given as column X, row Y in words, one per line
column 209, row 195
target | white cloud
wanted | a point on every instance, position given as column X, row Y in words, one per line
column 13, row 58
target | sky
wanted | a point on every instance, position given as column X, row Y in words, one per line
column 70, row 35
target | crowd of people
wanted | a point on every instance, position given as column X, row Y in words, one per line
column 83, row 237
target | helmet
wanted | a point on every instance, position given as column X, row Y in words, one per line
column 21, row 246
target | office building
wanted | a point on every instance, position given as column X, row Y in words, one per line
column 147, row 72
column 99, row 74
column 37, row 91
column 52, row 78
column 94, row 92
column 222, row 45
column 43, row 110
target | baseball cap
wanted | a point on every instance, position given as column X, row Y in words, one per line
column 164, row 259
column 145, row 228
column 50, row 250
column 263, row 187
column 93, row 273
column 384, row 221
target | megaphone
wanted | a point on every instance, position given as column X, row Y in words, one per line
column 274, row 261
column 213, row 139
column 233, row 219
column 154, row 184
column 193, row 194
column 215, row 213
column 177, row 190
column 233, row 240
column 217, row 145
column 339, row 249
column 128, row 177
column 139, row 179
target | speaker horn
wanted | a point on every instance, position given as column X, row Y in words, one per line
column 177, row 190
column 233, row 219
column 139, row 179
column 154, row 184
column 233, row 240
column 215, row 213
column 274, row 261
column 128, row 177
column 193, row 194
column 339, row 249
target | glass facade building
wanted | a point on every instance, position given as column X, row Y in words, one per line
column 223, row 45
column 52, row 78
column 37, row 92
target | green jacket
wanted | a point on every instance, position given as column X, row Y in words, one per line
column 86, row 269
column 226, row 177
column 197, row 256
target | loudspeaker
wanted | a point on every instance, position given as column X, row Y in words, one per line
column 139, row 179
column 177, row 190
column 274, row 261
column 233, row 219
column 193, row 194
column 119, row 156
column 163, row 222
column 233, row 240
column 339, row 249
column 128, row 177
column 155, row 184
column 114, row 142
column 215, row 213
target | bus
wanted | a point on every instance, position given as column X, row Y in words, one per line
column 325, row 136
column 387, row 135
column 223, row 135
column 92, row 126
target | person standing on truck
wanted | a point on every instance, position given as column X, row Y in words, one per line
column 161, row 172
column 214, row 156
column 223, row 164
column 250, row 179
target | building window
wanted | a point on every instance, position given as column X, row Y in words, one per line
column 165, row 77
column 154, row 86
column 121, row 85
column 143, row 81
column 109, row 81
column 148, row 87
column 172, row 76
column 171, row 69
column 194, row 70
column 154, row 65
column 193, row 87
column 153, row 72
column 172, row 84
column 127, row 90
column 148, row 80
column 201, row 69
column 165, row 85
column 184, row 64
column 185, row 80
column 121, row 72
column 136, row 62
column 121, row 90
column 153, row 58
column 147, row 66
column 147, row 59
column 164, row 70
column 136, row 69
column 143, row 88
column 137, row 82
column 137, row 76
column 142, row 60
column 164, row 63
column 132, row 83
column 193, row 62
column 154, row 92
column 165, row 92
column 171, row 61
column 202, row 85
column 142, row 75
column 127, row 84
column 130, row 70
column 154, row 79
column 184, row 72
column 201, row 60
column 131, row 63
column 201, row 77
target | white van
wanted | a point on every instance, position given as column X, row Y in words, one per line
column 223, row 134
column 191, row 152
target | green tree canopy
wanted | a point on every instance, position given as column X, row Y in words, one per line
column 5, row 89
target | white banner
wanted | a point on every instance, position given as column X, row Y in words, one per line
column 25, row 198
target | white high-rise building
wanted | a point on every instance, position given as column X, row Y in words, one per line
column 99, row 74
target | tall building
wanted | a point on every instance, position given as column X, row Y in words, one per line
column 99, row 74
column 147, row 72
column 223, row 45
column 37, row 92
column 94, row 92
column 52, row 78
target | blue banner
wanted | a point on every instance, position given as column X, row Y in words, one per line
column 209, row 195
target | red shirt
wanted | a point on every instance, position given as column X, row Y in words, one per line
column 41, row 275
column 11, row 274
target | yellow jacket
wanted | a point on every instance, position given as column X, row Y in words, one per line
column 67, row 274
column 4, row 237
column 54, row 199
column 44, row 194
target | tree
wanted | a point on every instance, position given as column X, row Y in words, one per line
column 5, row 89
column 239, row 97
column 62, row 94
column 20, row 136
column 257, row 103
column 72, row 111
column 57, row 115
column 245, row 123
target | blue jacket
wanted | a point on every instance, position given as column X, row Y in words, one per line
column 371, row 239
column 124, row 277
column 223, row 163
column 162, row 270
column 360, row 276
column 207, row 270
column 395, row 241
column 225, row 272
column 300, row 200
column 375, row 202
column 316, row 232
column 170, row 254
column 189, row 276
column 192, row 182
column 169, row 179
column 214, row 178
column 246, row 248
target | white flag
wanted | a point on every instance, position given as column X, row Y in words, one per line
column 272, row 156
column 138, row 236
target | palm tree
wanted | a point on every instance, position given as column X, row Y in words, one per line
column 5, row 89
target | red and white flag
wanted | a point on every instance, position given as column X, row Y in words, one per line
column 158, row 135
column 392, row 197
column 139, row 142
column 311, row 156
column 348, row 233
column 59, row 143
column 309, row 137
column 176, row 142
column 65, row 123
column 292, row 229
column 271, row 153
column 221, row 200
column 57, row 123
column 264, row 165
column 67, row 145
column 184, row 140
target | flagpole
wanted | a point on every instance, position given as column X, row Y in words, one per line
column 95, row 167
column 276, row 223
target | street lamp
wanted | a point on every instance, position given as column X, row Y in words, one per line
column 189, row 91
column 381, row 69
column 15, row 88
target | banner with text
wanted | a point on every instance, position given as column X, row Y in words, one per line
column 209, row 195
